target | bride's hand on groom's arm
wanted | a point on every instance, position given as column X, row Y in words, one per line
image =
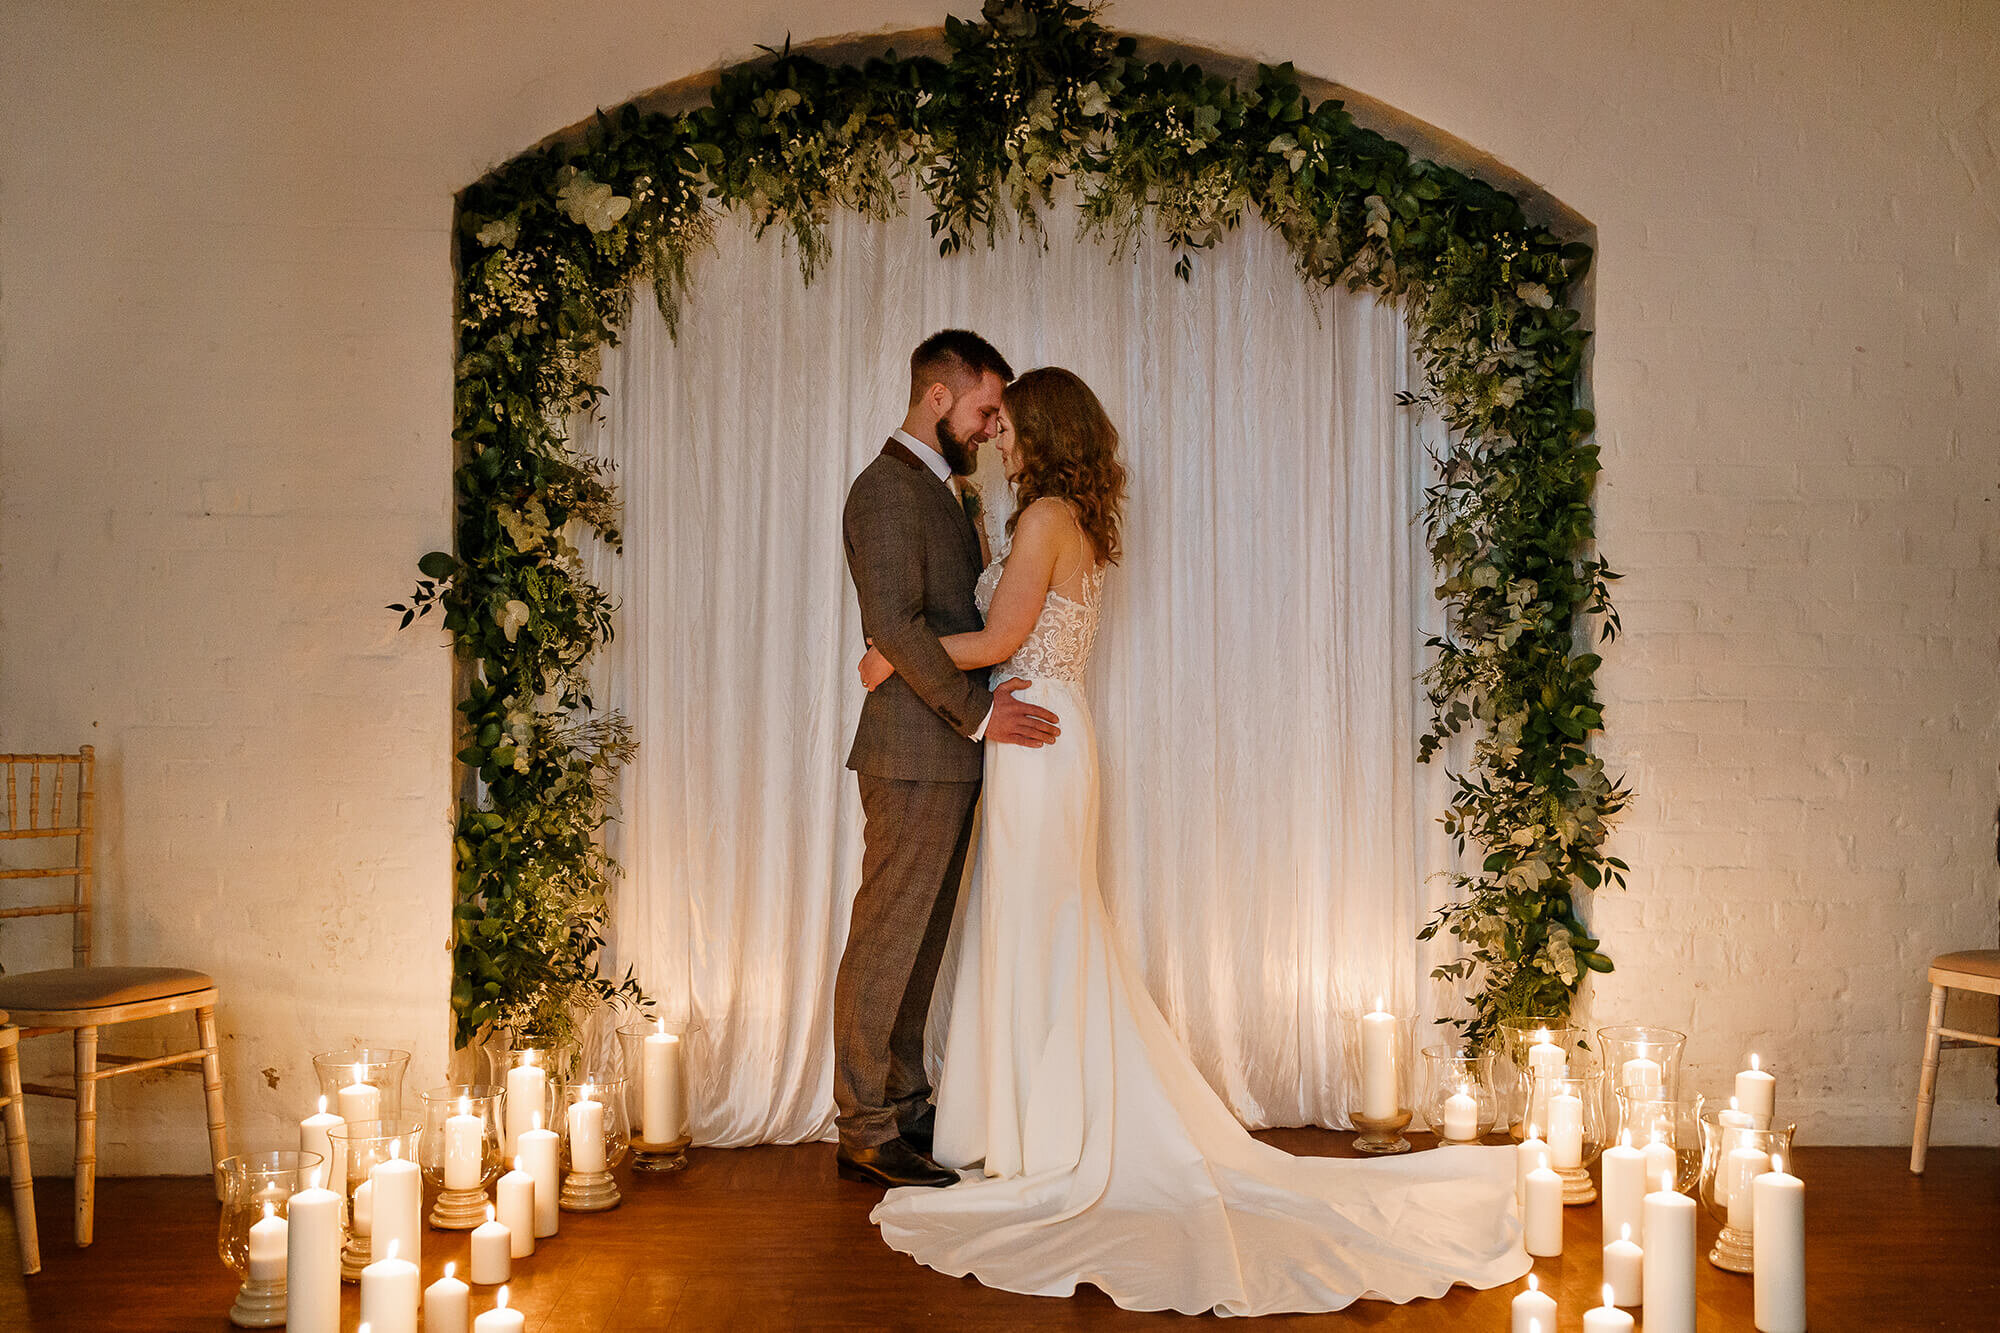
column 874, row 668
column 1017, row 722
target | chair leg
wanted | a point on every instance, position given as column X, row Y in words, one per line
column 211, row 1081
column 18, row 1167
column 1927, row 1086
column 86, row 1134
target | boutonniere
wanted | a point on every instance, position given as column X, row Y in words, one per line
column 968, row 496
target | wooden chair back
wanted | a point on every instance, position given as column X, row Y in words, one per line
column 52, row 798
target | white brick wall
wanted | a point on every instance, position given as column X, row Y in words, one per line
column 224, row 437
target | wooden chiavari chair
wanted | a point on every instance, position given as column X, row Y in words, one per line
column 82, row 998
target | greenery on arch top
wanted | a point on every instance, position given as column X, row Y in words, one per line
column 1037, row 94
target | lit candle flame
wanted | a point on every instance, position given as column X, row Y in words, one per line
column 489, row 1212
column 395, row 1150
column 268, row 1210
column 1607, row 1295
column 1753, row 1059
column 1541, row 1036
column 322, row 1104
column 392, row 1248
column 1534, row 1283
column 661, row 1030
column 1625, row 1231
column 520, row 1164
column 465, row 1106
column 1625, row 1138
column 535, row 1121
column 1778, row 1162
column 450, row 1270
column 359, row 1072
column 500, row 1301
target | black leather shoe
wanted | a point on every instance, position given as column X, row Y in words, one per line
column 891, row 1165
column 920, row 1135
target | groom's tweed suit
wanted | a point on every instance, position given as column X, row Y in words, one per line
column 914, row 558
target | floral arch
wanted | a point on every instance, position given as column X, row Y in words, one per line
column 551, row 246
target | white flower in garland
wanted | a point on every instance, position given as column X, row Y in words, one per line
column 511, row 617
column 588, row 201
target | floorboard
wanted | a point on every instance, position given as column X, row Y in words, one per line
column 769, row 1238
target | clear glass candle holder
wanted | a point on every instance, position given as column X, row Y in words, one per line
column 459, row 1151
column 358, row 1148
column 1641, row 1062
column 364, row 1083
column 530, row 1079
column 1460, row 1103
column 1731, row 1156
column 1572, row 1103
column 593, row 1139
column 1675, row 1122
column 1379, row 1047
column 256, row 1186
column 1520, row 1035
column 657, row 1106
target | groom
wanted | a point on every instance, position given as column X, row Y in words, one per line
column 913, row 553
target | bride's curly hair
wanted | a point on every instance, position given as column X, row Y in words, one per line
column 1068, row 449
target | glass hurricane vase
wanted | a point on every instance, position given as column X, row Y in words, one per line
column 1460, row 1103
column 459, row 1151
column 593, row 1140
column 256, row 1193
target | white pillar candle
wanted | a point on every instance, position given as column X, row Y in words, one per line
column 1730, row 1120
column 1622, row 1183
column 1778, row 1249
column 1381, row 1080
column 1542, row 1218
column 399, row 1208
column 1534, row 1308
column 663, row 1089
column 464, row 1148
column 312, row 1262
column 360, row 1100
column 1660, row 1161
column 492, row 1252
column 514, row 1197
column 390, row 1294
column 500, row 1319
column 1742, row 1165
column 448, row 1304
column 1667, row 1271
column 1607, row 1318
column 541, row 1156
column 1545, row 1061
column 1757, row 1094
column 364, row 1209
column 1530, row 1154
column 1640, row 1074
column 1624, row 1270
column 1461, row 1116
column 586, row 1134
column 1566, row 1131
column 267, row 1247
column 313, row 1137
column 527, row 1103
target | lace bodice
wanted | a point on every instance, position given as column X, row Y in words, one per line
column 1058, row 647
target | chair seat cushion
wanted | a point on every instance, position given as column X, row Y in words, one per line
column 1973, row 962
column 96, row 987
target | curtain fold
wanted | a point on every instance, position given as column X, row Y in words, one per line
column 1267, row 831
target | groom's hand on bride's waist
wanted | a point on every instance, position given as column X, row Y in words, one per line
column 1017, row 722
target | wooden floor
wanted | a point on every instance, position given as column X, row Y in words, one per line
column 758, row 1238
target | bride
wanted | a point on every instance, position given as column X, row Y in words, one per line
column 1103, row 1155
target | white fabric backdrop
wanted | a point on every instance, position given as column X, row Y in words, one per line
column 1267, row 831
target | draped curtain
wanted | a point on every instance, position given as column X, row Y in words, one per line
column 1268, row 835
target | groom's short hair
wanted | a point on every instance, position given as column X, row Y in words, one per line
column 951, row 358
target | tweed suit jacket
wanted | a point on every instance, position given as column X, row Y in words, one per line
column 914, row 558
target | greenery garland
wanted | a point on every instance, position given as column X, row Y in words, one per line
column 552, row 245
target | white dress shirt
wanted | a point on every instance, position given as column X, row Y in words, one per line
column 934, row 460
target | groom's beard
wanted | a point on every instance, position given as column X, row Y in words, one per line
column 958, row 455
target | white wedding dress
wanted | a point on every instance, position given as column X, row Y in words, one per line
column 1107, row 1158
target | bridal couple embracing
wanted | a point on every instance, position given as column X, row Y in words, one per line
column 1070, row 1137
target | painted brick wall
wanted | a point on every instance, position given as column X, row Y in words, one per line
column 224, row 437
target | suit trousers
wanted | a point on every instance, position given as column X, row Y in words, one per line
column 914, row 842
